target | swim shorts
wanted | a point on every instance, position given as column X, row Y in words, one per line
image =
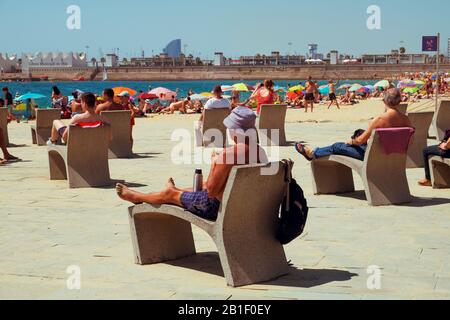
column 309, row 97
column 200, row 204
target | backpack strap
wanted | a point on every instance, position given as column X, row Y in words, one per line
column 288, row 165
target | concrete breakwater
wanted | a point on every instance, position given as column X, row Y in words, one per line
column 319, row 72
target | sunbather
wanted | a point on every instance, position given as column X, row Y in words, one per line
column 356, row 148
column 442, row 150
column 88, row 118
column 206, row 203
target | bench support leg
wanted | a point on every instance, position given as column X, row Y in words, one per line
column 331, row 178
column 440, row 173
column 160, row 238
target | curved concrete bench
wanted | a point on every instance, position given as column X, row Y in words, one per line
column 421, row 121
column 383, row 175
column 121, row 146
column 84, row 161
column 441, row 121
column 440, row 172
column 42, row 130
column 273, row 117
column 244, row 232
column 4, row 124
column 213, row 132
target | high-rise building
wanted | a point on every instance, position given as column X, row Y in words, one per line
column 312, row 48
column 173, row 49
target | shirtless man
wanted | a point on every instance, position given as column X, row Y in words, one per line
column 76, row 103
column 61, row 130
column 356, row 148
column 332, row 95
column 109, row 104
column 310, row 91
column 206, row 204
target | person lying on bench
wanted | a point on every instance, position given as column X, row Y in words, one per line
column 356, row 148
column 87, row 119
column 206, row 203
column 442, row 150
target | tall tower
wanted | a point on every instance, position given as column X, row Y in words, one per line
column 312, row 51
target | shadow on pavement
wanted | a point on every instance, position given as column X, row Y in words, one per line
column 307, row 278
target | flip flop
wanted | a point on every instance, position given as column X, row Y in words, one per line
column 13, row 159
column 301, row 149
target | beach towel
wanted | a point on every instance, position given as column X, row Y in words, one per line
column 90, row 125
column 395, row 140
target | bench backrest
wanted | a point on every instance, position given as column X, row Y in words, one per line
column 442, row 119
column 273, row 117
column 4, row 123
column 46, row 117
column 88, row 146
column 213, row 123
column 421, row 121
column 388, row 149
column 252, row 198
column 120, row 126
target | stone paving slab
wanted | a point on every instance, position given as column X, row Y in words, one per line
column 46, row 227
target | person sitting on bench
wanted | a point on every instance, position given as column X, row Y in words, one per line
column 356, row 148
column 206, row 203
column 442, row 150
column 87, row 119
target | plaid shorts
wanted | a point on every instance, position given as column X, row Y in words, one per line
column 200, row 204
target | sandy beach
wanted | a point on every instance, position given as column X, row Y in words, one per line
column 47, row 227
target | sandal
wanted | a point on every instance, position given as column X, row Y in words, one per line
column 301, row 149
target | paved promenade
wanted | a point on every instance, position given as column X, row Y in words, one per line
column 46, row 227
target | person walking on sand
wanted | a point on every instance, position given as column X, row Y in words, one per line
column 310, row 94
column 332, row 94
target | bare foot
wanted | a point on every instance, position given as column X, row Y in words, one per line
column 171, row 184
column 2, row 162
column 425, row 183
column 126, row 194
column 11, row 158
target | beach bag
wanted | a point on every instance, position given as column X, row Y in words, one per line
column 447, row 135
column 294, row 210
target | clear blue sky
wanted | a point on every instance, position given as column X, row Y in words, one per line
column 232, row 26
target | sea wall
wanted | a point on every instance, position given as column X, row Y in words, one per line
column 320, row 72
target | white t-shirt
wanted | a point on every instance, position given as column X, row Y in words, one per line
column 215, row 103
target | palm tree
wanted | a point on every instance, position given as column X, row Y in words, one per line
column 94, row 62
column 402, row 50
column 103, row 61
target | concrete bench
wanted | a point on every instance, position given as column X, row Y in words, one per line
column 403, row 108
column 212, row 132
column 441, row 120
column 272, row 125
column 383, row 175
column 42, row 130
column 440, row 172
column 84, row 161
column 421, row 121
column 121, row 146
column 244, row 232
column 4, row 124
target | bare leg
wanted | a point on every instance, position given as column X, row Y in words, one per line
column 169, row 196
column 6, row 154
column 57, row 124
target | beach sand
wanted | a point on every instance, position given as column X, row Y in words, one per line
column 47, row 227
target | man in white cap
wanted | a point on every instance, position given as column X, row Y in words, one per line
column 206, row 203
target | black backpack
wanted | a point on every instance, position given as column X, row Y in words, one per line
column 294, row 210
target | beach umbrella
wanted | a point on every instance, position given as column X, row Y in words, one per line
column 420, row 83
column 227, row 88
column 382, row 84
column 345, row 86
column 278, row 88
column 406, row 83
column 355, row 87
column 370, row 87
column 324, row 89
column 200, row 97
column 163, row 93
column 411, row 90
column 29, row 95
column 296, row 88
column 243, row 87
column 292, row 95
column 207, row 94
column 147, row 96
column 119, row 90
